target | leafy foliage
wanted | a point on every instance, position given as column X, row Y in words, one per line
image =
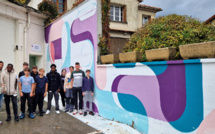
column 76, row 3
column 170, row 31
column 50, row 8
column 104, row 43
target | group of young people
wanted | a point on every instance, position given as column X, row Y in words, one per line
column 34, row 86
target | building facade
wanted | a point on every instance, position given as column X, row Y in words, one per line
column 126, row 17
column 211, row 20
column 21, row 35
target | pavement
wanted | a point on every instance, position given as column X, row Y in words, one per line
column 48, row 124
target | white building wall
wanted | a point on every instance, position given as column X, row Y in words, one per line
column 7, row 37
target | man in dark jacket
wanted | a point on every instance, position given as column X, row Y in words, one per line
column 54, row 86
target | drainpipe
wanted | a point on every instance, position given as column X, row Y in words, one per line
column 25, row 35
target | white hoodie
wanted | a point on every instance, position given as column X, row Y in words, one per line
column 1, row 89
column 8, row 82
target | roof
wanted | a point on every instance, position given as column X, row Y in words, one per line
column 149, row 8
column 210, row 19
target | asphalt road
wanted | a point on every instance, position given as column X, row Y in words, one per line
column 48, row 124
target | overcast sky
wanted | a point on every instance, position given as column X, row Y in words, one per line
column 202, row 9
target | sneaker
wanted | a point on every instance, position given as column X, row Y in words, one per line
column 22, row 116
column 8, row 118
column 34, row 113
column 0, row 122
column 31, row 116
column 85, row 113
column 16, row 118
column 48, row 112
column 91, row 113
column 75, row 112
column 58, row 112
column 66, row 111
column 44, row 111
column 71, row 111
column 80, row 111
column 41, row 114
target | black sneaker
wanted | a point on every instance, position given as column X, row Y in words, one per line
column 91, row 113
column 85, row 113
column 8, row 118
column 44, row 111
column 41, row 114
column 66, row 111
column 16, row 118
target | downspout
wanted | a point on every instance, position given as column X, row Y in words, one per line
column 25, row 34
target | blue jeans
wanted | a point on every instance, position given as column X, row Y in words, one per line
column 69, row 100
column 1, row 100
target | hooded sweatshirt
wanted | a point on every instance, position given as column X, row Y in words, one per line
column 54, row 80
column 1, row 89
column 9, row 81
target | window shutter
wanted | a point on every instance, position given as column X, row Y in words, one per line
column 124, row 14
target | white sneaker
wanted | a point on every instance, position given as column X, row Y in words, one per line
column 75, row 112
column 58, row 112
column 80, row 112
column 0, row 123
column 48, row 112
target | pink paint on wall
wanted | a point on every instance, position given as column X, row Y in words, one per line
column 208, row 124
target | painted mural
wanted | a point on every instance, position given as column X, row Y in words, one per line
column 170, row 97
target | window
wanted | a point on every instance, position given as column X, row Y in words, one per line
column 146, row 19
column 118, row 13
column 61, row 5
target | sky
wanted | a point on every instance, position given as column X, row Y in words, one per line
column 201, row 9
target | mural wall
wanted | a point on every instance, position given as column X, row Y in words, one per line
column 170, row 97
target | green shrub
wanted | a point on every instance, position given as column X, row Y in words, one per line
column 170, row 31
column 49, row 8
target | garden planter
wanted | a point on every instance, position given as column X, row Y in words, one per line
column 161, row 54
column 198, row 50
column 110, row 59
column 130, row 57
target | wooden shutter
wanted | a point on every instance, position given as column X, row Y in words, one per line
column 124, row 14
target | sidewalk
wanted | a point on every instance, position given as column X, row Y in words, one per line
column 48, row 124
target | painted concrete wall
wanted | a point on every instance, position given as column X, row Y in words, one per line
column 170, row 97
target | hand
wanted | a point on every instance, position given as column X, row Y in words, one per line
column 44, row 95
column 31, row 94
column 64, row 91
column 83, row 94
column 92, row 94
column 58, row 90
column 21, row 94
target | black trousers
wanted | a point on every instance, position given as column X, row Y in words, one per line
column 26, row 96
column 63, row 97
column 39, row 97
column 77, row 91
column 7, row 99
column 34, row 103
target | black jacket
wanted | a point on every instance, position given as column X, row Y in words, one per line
column 62, row 82
column 54, row 81
column 34, row 75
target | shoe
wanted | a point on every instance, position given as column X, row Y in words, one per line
column 85, row 113
column 22, row 116
column 44, row 111
column 8, row 118
column 48, row 112
column 91, row 113
column 16, row 118
column 75, row 112
column 71, row 111
column 31, row 116
column 34, row 113
column 66, row 111
column 41, row 114
column 58, row 112
column 0, row 122
column 80, row 111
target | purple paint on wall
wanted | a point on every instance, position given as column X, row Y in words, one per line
column 116, row 82
column 173, row 91
column 57, row 48
column 47, row 31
